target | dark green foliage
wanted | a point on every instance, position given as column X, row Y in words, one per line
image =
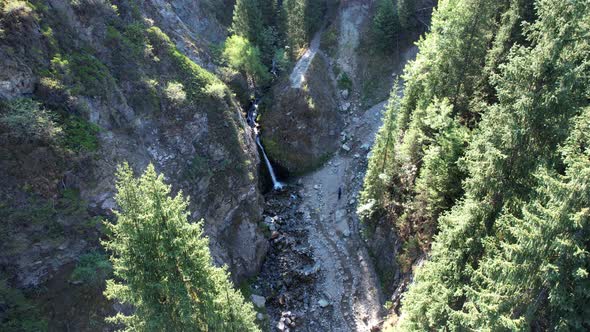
column 164, row 264
column 92, row 269
column 386, row 25
column 17, row 313
column 271, row 27
column 247, row 21
column 92, row 77
column 314, row 15
column 438, row 185
column 80, row 135
column 406, row 9
column 381, row 164
column 83, row 74
column 295, row 27
column 522, row 224
column 441, row 103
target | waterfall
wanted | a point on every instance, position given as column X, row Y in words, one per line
column 251, row 119
column 276, row 184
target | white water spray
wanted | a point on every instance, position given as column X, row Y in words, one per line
column 277, row 185
column 251, row 117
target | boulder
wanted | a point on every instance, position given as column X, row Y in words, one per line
column 346, row 107
column 344, row 93
column 259, row 301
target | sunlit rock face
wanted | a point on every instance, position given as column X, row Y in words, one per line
column 301, row 126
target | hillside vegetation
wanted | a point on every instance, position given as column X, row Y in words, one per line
column 482, row 169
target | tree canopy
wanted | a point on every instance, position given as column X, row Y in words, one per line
column 162, row 264
column 489, row 172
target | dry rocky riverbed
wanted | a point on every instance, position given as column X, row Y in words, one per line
column 317, row 275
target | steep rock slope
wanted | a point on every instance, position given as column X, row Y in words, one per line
column 301, row 128
column 86, row 85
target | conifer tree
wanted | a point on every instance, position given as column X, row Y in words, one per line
column 248, row 20
column 514, row 232
column 438, row 185
column 296, row 29
column 381, row 163
column 162, row 264
column 386, row 25
column 406, row 9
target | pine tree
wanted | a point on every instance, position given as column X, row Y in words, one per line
column 543, row 255
column 452, row 56
column 438, row 185
column 510, row 222
column 295, row 25
column 162, row 264
column 380, row 167
column 406, row 9
column 386, row 25
column 248, row 20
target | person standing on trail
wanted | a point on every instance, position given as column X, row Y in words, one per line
column 339, row 192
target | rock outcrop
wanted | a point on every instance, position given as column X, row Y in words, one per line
column 301, row 126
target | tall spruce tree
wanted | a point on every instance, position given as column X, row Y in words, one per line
column 296, row 29
column 163, row 266
column 406, row 9
column 381, row 164
column 248, row 20
column 386, row 25
column 518, row 230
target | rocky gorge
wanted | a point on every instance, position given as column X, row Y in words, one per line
column 158, row 97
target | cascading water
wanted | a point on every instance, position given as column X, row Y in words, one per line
column 251, row 118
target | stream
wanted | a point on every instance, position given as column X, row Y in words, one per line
column 251, row 119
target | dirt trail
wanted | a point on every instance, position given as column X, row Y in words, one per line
column 297, row 76
column 349, row 283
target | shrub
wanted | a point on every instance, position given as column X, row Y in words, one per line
column 344, row 82
column 175, row 92
column 16, row 7
column 26, row 119
column 17, row 312
column 80, row 135
column 193, row 77
column 92, row 268
column 281, row 60
column 216, row 89
column 92, row 76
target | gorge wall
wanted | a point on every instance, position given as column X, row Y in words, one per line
column 87, row 85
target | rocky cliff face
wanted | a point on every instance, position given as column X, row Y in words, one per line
column 88, row 84
column 302, row 127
